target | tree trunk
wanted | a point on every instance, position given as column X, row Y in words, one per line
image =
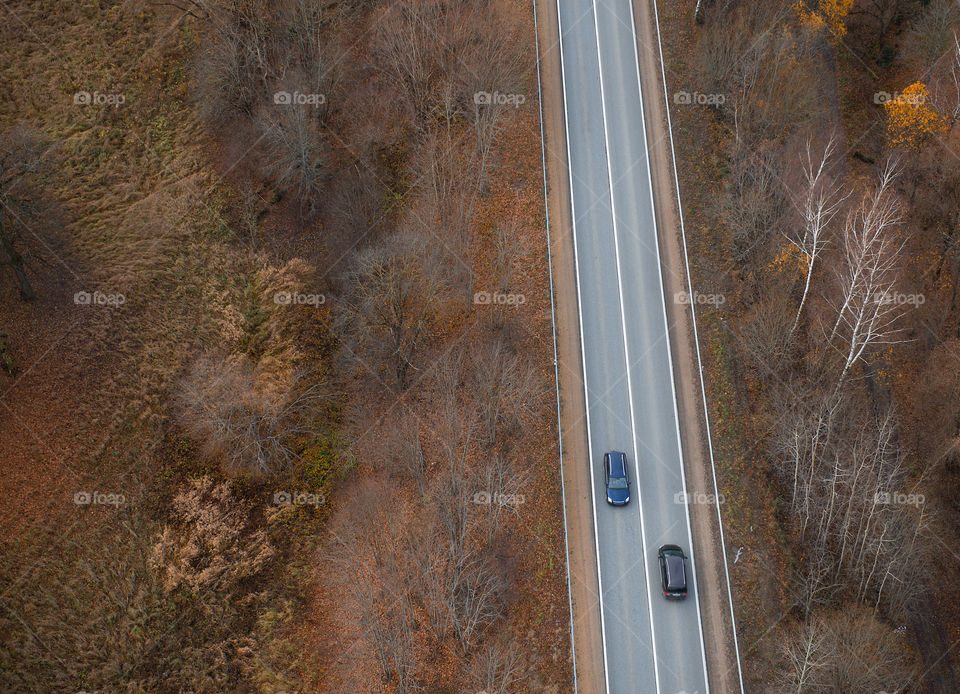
column 16, row 262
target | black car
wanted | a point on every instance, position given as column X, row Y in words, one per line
column 616, row 478
column 673, row 571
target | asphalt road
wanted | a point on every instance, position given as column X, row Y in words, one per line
column 650, row 644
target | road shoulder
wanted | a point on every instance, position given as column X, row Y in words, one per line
column 582, row 556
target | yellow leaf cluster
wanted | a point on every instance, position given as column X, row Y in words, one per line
column 835, row 14
column 910, row 119
column 790, row 258
column 830, row 15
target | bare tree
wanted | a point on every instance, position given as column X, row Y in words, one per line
column 820, row 201
column 755, row 204
column 767, row 91
column 955, row 80
column 487, row 124
column 847, row 651
column 430, row 562
column 455, row 513
column 497, row 669
column 473, row 598
column 408, row 448
column 491, row 70
column 867, row 313
column 320, row 75
column 504, row 387
column 816, row 584
column 501, row 484
column 805, row 657
column 295, row 153
column 457, row 426
column 23, row 157
column 393, row 298
column 248, row 420
column 508, row 249
column 802, row 444
column 445, row 175
column 238, row 65
column 943, row 79
column 843, row 472
column 868, row 656
column 932, row 33
column 382, row 594
column 355, row 206
column 880, row 14
column 405, row 47
column 765, row 334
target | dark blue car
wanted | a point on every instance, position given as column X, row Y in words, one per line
column 616, row 478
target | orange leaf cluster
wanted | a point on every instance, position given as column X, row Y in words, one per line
column 910, row 120
column 830, row 15
column 790, row 258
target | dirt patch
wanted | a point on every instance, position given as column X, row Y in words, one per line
column 54, row 411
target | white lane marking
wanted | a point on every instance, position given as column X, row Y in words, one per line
column 666, row 328
column 626, row 352
column 696, row 342
column 583, row 353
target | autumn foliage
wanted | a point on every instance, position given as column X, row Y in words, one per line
column 829, row 14
column 911, row 119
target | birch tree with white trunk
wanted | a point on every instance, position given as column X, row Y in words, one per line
column 820, row 200
column 867, row 314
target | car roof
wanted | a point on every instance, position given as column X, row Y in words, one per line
column 675, row 577
column 617, row 463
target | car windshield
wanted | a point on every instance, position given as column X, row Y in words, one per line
column 618, row 483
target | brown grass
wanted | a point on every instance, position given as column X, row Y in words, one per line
column 157, row 211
